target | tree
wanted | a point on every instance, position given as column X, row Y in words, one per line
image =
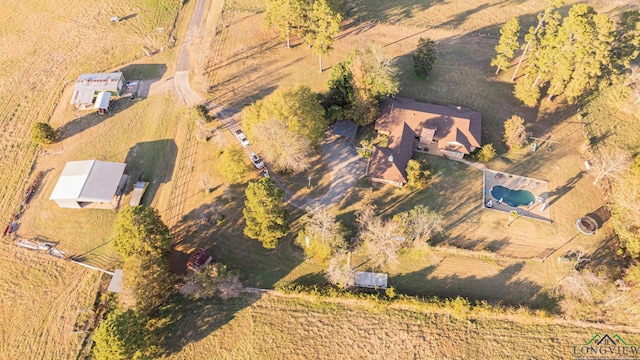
column 419, row 224
column 297, row 108
column 322, row 233
column 145, row 243
column 625, row 209
column 553, row 4
column 148, row 279
column 232, row 164
column 374, row 73
column 515, row 135
column 266, row 219
column 609, row 163
column 284, row 149
column 43, row 134
column 325, row 24
column 507, row 45
column 286, row 15
column 140, row 231
column 487, row 153
column 340, row 272
column 382, row 242
column 425, row 56
column 526, row 92
column 124, row 335
column 626, row 45
column 417, row 174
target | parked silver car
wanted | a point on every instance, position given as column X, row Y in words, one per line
column 256, row 160
column 242, row 137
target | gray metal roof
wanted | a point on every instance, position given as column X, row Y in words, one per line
column 371, row 280
column 88, row 84
column 102, row 101
column 88, row 181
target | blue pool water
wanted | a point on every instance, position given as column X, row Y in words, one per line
column 513, row 198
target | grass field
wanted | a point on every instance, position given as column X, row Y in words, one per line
column 296, row 328
column 253, row 62
column 43, row 301
column 46, row 45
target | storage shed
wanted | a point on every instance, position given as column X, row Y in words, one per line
column 371, row 280
column 89, row 85
column 86, row 182
column 103, row 102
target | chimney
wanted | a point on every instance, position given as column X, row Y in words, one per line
column 391, row 158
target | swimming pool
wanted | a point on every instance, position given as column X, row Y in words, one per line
column 513, row 198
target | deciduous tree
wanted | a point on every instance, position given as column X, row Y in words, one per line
column 425, row 56
column 266, row 219
column 297, row 108
column 515, row 135
column 419, row 224
column 624, row 202
column 283, row 148
column 609, row 163
column 382, row 241
column 124, row 335
column 232, row 164
column 507, row 45
column 340, row 272
column 322, row 234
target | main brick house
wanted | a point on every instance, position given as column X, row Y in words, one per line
column 449, row 131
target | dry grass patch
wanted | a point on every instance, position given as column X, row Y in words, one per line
column 43, row 300
column 296, row 328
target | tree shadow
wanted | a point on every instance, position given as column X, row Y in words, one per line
column 134, row 72
column 559, row 192
column 155, row 159
column 191, row 320
column 501, row 288
column 217, row 227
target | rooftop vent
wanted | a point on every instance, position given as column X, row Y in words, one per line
column 390, row 158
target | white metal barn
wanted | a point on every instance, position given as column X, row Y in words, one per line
column 371, row 280
column 85, row 182
column 88, row 85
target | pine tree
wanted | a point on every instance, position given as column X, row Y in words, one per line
column 507, row 45
column 515, row 134
column 285, row 15
column 324, row 26
column 266, row 219
column 425, row 56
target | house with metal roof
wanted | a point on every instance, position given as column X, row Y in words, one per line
column 450, row 131
column 88, row 86
column 87, row 182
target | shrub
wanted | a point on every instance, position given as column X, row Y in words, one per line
column 43, row 134
column 486, row 153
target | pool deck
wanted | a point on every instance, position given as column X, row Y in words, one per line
column 539, row 189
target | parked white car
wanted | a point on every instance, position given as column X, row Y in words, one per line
column 256, row 160
column 242, row 137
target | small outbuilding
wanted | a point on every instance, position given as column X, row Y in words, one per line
column 88, row 86
column 86, row 182
column 371, row 280
column 115, row 285
column 103, row 103
column 199, row 259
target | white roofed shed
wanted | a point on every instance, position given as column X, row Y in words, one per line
column 371, row 280
column 87, row 181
